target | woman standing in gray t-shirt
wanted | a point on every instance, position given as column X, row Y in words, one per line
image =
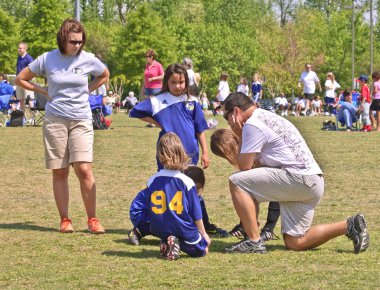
column 67, row 130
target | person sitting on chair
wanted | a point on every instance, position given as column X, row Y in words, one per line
column 347, row 112
column 129, row 102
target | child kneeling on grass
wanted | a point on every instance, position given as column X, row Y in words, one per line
column 169, row 206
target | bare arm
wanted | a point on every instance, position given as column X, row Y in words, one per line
column 99, row 80
column 205, row 160
column 158, row 78
column 23, row 80
column 202, row 231
column 151, row 121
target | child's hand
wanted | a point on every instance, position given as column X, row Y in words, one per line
column 207, row 238
column 205, row 161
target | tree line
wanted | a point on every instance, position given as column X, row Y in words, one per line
column 272, row 37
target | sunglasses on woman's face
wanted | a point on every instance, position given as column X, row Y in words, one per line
column 75, row 42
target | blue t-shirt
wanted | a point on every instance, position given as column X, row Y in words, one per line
column 6, row 88
column 23, row 62
column 179, row 115
column 67, row 78
column 256, row 88
column 173, row 206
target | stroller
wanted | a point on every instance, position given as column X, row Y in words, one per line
column 98, row 120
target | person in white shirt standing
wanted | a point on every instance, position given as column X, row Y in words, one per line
column 330, row 85
column 310, row 80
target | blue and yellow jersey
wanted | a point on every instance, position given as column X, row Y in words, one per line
column 173, row 206
column 179, row 115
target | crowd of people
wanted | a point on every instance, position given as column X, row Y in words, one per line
column 273, row 161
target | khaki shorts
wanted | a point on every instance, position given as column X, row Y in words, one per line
column 297, row 194
column 22, row 94
column 67, row 141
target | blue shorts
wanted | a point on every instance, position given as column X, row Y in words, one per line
column 194, row 250
column 151, row 92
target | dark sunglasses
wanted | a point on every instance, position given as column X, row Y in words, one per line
column 75, row 42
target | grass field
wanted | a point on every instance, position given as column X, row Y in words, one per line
column 34, row 255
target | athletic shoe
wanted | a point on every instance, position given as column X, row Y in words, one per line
column 66, row 226
column 94, row 226
column 134, row 237
column 267, row 235
column 163, row 249
column 173, row 248
column 216, row 232
column 358, row 233
column 238, row 231
column 247, row 246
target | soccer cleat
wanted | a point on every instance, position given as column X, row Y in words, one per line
column 134, row 237
column 163, row 249
column 173, row 248
column 66, row 226
column 94, row 226
column 357, row 232
column 238, row 231
column 247, row 246
column 267, row 235
column 216, row 232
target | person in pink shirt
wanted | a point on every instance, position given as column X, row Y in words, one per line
column 153, row 75
column 365, row 101
column 375, row 105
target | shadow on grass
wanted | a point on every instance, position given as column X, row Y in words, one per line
column 143, row 254
column 219, row 245
column 112, row 231
column 27, row 226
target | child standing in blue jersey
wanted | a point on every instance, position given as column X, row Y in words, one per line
column 171, row 203
column 175, row 110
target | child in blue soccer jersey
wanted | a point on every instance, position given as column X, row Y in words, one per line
column 175, row 110
column 171, row 204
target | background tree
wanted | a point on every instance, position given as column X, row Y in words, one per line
column 9, row 38
column 41, row 27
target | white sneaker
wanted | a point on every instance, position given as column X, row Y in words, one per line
column 282, row 114
column 286, row 113
column 312, row 114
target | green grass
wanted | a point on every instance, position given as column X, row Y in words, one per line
column 34, row 255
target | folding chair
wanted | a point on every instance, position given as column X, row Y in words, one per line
column 355, row 102
column 38, row 111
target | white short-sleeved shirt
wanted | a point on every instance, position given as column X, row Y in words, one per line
column 330, row 88
column 243, row 89
column 309, row 79
column 191, row 76
column 277, row 143
column 282, row 101
column 67, row 78
column 224, row 91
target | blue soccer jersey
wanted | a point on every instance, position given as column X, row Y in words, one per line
column 175, row 114
column 173, row 206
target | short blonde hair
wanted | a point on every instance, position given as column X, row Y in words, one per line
column 225, row 143
column 171, row 153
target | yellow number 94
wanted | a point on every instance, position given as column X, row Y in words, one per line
column 158, row 198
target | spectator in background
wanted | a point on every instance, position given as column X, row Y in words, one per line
column 23, row 60
column 347, row 112
column 364, row 103
column 310, row 80
column 5, row 87
column 257, row 88
column 130, row 101
column 243, row 86
column 281, row 104
column 222, row 94
column 153, row 76
column 330, row 85
column 193, row 79
column 375, row 105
